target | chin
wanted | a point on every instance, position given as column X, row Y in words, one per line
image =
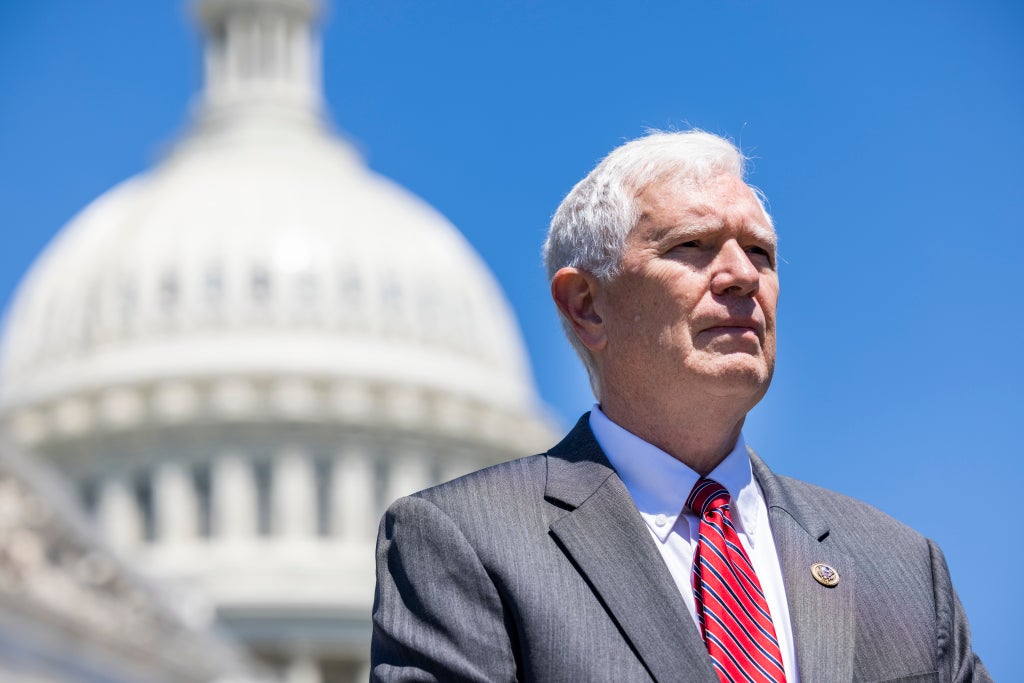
column 748, row 376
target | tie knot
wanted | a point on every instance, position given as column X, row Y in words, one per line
column 707, row 495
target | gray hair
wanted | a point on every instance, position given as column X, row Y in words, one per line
column 588, row 231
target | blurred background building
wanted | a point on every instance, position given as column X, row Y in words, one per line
column 70, row 611
column 238, row 358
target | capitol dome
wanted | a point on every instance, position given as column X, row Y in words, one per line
column 262, row 246
column 262, row 255
column 242, row 355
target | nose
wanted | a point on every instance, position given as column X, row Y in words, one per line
column 734, row 273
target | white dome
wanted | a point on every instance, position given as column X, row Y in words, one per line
column 243, row 355
column 262, row 252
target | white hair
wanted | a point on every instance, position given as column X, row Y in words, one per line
column 588, row 231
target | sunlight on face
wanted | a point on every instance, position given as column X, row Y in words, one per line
column 694, row 303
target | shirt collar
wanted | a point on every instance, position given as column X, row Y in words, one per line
column 659, row 484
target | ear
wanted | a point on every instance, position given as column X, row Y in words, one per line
column 575, row 293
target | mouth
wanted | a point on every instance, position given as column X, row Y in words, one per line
column 735, row 329
column 732, row 331
column 734, row 326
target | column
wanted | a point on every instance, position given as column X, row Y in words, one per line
column 175, row 504
column 409, row 472
column 233, row 497
column 118, row 513
column 303, row 669
column 353, row 505
column 293, row 495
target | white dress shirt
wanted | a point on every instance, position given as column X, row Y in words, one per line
column 659, row 485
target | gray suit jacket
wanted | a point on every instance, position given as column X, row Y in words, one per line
column 542, row 569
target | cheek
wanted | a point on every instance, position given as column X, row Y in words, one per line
column 768, row 299
column 669, row 318
column 657, row 309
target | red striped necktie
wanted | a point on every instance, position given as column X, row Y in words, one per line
column 734, row 619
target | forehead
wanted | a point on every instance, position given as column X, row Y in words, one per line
column 673, row 204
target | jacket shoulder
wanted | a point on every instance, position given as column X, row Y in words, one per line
column 849, row 520
column 491, row 490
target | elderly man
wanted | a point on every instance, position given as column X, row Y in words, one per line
column 651, row 543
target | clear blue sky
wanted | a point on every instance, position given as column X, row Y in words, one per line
column 889, row 138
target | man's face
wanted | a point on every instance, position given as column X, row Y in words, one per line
column 693, row 307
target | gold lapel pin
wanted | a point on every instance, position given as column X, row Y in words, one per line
column 824, row 574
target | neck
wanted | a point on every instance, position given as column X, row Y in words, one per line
column 700, row 434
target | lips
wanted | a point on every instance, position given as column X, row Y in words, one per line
column 738, row 324
column 736, row 327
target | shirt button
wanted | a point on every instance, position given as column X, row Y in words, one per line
column 661, row 520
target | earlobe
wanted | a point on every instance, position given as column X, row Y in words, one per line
column 575, row 293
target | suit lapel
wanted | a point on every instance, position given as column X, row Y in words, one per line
column 608, row 542
column 823, row 619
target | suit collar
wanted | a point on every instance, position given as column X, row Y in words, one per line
column 604, row 536
column 781, row 497
column 660, row 484
column 823, row 619
column 576, row 466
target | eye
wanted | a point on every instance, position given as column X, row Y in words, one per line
column 762, row 255
column 687, row 247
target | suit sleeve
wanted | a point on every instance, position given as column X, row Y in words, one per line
column 437, row 615
column 959, row 663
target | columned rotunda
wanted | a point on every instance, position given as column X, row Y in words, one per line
column 242, row 355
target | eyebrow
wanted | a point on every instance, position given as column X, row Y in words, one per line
column 765, row 233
